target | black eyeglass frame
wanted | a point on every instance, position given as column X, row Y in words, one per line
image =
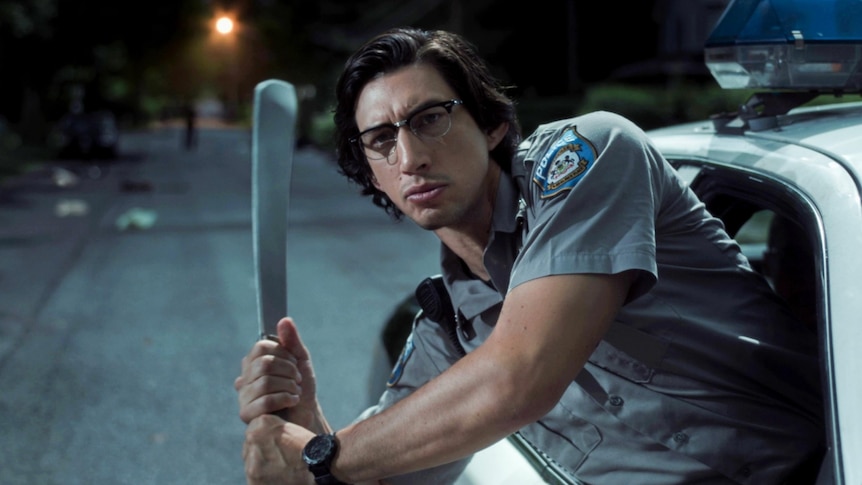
column 447, row 105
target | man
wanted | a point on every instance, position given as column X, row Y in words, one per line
column 605, row 314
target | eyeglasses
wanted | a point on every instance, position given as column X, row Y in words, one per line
column 431, row 122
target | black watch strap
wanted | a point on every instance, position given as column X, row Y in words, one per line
column 318, row 455
column 327, row 479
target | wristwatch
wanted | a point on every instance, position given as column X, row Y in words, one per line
column 318, row 455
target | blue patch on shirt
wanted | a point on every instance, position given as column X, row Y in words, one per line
column 565, row 163
column 406, row 352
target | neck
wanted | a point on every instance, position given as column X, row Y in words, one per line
column 469, row 238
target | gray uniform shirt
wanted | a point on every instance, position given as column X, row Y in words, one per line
column 704, row 375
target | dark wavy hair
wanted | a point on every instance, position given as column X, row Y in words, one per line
column 459, row 64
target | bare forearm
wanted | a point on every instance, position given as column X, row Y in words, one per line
column 540, row 343
column 471, row 406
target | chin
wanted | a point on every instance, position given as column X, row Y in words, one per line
column 429, row 225
column 428, row 219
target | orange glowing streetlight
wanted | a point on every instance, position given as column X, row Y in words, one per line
column 225, row 35
column 224, row 25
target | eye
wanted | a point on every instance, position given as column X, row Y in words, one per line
column 428, row 118
column 379, row 138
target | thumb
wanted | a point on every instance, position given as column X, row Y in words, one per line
column 288, row 336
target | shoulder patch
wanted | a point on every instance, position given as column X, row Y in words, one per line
column 564, row 164
column 398, row 370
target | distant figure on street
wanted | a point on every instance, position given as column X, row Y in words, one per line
column 190, row 115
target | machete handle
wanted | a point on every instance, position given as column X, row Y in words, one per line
column 282, row 413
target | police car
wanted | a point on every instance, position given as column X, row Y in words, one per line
column 784, row 173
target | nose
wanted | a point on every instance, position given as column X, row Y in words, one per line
column 411, row 152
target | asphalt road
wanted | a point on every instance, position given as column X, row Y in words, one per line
column 127, row 301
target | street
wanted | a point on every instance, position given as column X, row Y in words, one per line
column 127, row 302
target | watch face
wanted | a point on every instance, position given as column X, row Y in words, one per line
column 319, row 449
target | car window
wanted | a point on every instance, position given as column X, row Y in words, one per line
column 776, row 227
column 753, row 237
column 779, row 230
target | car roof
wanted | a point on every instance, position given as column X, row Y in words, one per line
column 833, row 131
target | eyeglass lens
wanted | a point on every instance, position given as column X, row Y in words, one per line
column 432, row 122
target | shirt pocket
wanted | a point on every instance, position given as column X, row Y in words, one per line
column 614, row 360
column 564, row 436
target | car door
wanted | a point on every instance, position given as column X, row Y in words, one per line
column 779, row 228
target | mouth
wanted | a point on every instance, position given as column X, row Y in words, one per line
column 424, row 193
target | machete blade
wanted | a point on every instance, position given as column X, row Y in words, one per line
column 272, row 149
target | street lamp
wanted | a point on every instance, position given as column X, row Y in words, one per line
column 224, row 25
column 228, row 30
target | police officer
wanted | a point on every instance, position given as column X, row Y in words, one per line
column 603, row 312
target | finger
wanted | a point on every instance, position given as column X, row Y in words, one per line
column 288, row 335
column 271, row 385
column 272, row 365
column 270, row 404
column 267, row 395
column 264, row 357
column 260, row 384
column 267, row 366
column 267, row 347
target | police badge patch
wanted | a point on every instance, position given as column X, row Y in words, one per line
column 565, row 163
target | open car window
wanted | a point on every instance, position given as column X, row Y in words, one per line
column 777, row 227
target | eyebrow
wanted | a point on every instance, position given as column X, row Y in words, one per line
column 412, row 112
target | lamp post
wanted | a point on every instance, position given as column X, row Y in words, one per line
column 227, row 30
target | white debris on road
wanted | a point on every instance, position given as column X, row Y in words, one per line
column 136, row 218
column 71, row 208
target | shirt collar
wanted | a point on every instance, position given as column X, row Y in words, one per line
column 469, row 294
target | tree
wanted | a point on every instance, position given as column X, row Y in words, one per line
column 25, row 28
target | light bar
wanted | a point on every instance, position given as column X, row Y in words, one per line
column 788, row 44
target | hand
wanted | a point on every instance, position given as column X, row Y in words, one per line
column 273, row 452
column 278, row 376
column 306, row 412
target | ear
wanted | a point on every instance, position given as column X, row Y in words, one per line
column 375, row 183
column 495, row 136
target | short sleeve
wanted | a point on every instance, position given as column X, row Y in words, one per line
column 595, row 185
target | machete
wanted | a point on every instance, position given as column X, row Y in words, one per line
column 272, row 147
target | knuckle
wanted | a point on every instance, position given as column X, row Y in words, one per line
column 266, row 364
column 272, row 402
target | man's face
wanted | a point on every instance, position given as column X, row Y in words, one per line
column 437, row 182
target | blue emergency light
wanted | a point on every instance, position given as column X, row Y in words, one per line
column 813, row 45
